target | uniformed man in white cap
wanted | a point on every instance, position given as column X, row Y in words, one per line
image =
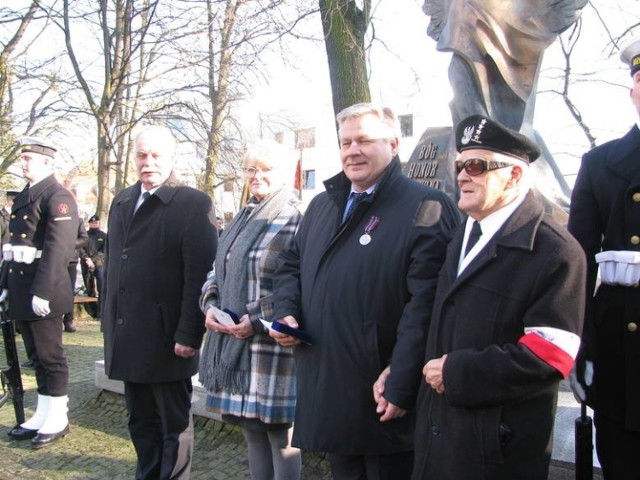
column 605, row 218
column 43, row 228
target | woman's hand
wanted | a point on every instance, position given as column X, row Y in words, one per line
column 212, row 323
column 242, row 330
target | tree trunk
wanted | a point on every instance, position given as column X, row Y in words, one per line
column 344, row 26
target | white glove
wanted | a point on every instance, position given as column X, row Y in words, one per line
column 576, row 386
column 40, row 306
column 4, row 295
column 7, row 254
column 24, row 254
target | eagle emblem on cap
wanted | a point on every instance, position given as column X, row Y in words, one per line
column 466, row 135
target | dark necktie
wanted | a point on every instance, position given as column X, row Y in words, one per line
column 145, row 197
column 356, row 198
column 474, row 236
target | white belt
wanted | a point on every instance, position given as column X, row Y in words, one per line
column 20, row 254
column 619, row 267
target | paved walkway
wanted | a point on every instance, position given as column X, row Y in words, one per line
column 98, row 446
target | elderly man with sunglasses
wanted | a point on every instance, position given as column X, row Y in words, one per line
column 506, row 321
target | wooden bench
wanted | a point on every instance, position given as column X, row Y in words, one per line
column 84, row 299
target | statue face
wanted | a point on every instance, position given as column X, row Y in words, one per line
column 541, row 19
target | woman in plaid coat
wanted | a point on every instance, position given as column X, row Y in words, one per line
column 249, row 377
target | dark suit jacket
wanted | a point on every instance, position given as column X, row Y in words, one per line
column 157, row 261
column 45, row 217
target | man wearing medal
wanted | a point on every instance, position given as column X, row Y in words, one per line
column 360, row 278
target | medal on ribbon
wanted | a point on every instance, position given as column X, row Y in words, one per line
column 371, row 225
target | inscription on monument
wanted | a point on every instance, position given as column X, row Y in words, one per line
column 429, row 163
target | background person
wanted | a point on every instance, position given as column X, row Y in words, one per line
column 506, row 320
column 43, row 229
column 81, row 242
column 5, row 215
column 93, row 258
column 605, row 217
column 219, row 226
column 161, row 243
column 249, row 377
column 360, row 277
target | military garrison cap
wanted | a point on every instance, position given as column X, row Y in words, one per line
column 11, row 193
column 478, row 131
column 94, row 218
column 631, row 55
column 37, row 145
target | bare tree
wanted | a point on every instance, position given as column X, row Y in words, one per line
column 345, row 25
column 8, row 146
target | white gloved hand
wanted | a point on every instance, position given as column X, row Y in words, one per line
column 7, row 254
column 4, row 295
column 29, row 255
column 576, row 386
column 40, row 306
column 24, row 254
column 17, row 252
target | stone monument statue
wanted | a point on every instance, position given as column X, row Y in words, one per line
column 497, row 48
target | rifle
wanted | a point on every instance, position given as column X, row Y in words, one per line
column 584, row 445
column 10, row 375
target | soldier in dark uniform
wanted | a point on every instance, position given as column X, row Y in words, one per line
column 4, row 216
column 43, row 229
column 605, row 218
column 93, row 257
column 81, row 241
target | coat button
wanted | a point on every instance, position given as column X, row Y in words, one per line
column 124, row 256
column 635, row 240
column 23, row 235
column 636, row 197
column 435, row 431
column 120, row 321
column 11, row 270
column 632, row 326
column 11, row 234
column 13, row 216
column 26, row 217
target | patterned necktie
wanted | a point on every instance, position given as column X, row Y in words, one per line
column 474, row 236
column 356, row 198
column 145, row 196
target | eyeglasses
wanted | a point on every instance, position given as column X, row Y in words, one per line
column 251, row 172
column 477, row 166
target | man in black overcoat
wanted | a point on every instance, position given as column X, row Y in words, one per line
column 605, row 218
column 43, row 228
column 360, row 277
column 506, row 321
column 160, row 246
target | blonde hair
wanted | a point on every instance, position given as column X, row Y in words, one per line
column 274, row 155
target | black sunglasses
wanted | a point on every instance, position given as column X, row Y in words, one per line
column 477, row 166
